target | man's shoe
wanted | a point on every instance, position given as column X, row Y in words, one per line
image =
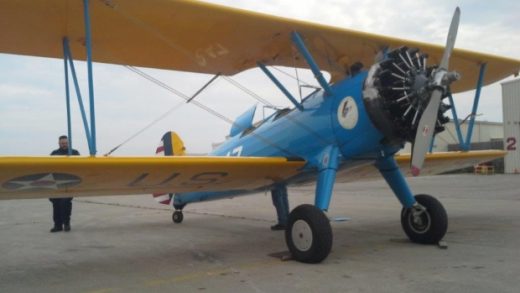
column 67, row 227
column 278, row 227
column 56, row 229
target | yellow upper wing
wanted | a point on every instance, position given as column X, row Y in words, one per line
column 41, row 177
column 207, row 38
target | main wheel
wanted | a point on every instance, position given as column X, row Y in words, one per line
column 177, row 217
column 426, row 224
column 308, row 234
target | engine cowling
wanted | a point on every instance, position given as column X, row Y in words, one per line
column 396, row 93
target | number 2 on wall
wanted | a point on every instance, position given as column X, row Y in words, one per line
column 511, row 144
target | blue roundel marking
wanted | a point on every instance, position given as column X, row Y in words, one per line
column 348, row 113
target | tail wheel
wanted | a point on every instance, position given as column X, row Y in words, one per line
column 308, row 234
column 425, row 223
column 177, row 217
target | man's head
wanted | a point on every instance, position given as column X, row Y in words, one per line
column 63, row 142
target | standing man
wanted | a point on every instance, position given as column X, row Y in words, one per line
column 62, row 207
column 281, row 203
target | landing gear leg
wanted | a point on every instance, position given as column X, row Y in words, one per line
column 308, row 234
column 177, row 216
column 423, row 218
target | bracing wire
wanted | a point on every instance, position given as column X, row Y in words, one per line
column 293, row 77
column 202, row 106
column 248, row 91
column 167, row 113
column 179, row 94
column 298, row 82
column 164, row 115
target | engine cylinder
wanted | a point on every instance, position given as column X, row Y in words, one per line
column 396, row 93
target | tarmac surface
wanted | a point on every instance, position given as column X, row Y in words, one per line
column 129, row 244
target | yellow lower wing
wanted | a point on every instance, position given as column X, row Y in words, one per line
column 42, row 177
column 435, row 163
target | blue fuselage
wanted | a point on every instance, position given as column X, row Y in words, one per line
column 305, row 134
column 339, row 120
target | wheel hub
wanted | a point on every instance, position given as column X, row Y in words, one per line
column 419, row 220
column 302, row 235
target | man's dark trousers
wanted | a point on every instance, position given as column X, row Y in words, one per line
column 61, row 208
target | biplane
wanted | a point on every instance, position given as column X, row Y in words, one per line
column 383, row 92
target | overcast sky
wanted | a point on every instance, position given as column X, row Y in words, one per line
column 32, row 109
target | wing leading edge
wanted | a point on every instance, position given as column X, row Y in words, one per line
column 207, row 38
column 42, row 177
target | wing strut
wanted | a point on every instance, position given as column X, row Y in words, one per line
column 90, row 132
column 475, row 106
column 465, row 145
column 88, row 43
column 67, row 58
column 280, row 86
column 298, row 41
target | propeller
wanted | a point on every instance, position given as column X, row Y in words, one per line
column 441, row 79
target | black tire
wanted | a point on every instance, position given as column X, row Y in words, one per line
column 308, row 234
column 177, row 217
column 431, row 225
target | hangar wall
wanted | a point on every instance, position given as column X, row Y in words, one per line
column 511, row 110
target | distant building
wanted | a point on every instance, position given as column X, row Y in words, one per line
column 511, row 108
column 486, row 135
column 490, row 135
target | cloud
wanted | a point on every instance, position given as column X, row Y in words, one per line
column 14, row 90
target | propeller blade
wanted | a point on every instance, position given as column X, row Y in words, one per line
column 426, row 127
column 425, row 130
column 450, row 41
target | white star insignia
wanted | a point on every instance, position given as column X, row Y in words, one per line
column 45, row 182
